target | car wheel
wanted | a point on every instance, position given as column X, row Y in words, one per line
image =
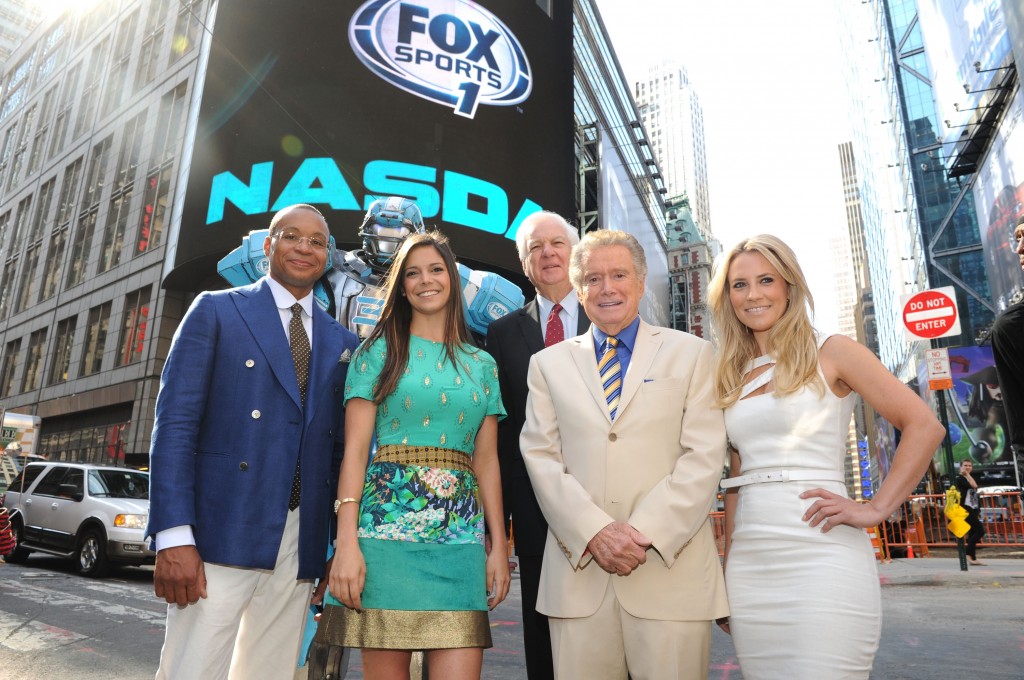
column 92, row 554
column 20, row 554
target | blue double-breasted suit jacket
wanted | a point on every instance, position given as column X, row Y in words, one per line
column 230, row 425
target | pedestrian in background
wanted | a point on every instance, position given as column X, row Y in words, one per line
column 968, row 488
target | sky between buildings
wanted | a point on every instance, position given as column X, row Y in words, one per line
column 769, row 80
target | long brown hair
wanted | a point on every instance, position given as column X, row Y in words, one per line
column 396, row 315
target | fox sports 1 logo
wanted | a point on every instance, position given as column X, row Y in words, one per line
column 452, row 52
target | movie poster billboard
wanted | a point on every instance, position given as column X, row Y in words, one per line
column 977, row 418
column 465, row 107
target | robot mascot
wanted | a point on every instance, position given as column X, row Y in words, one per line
column 350, row 291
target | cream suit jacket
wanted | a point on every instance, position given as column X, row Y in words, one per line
column 656, row 467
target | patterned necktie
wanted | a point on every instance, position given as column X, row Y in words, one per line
column 299, row 342
column 555, row 331
column 611, row 374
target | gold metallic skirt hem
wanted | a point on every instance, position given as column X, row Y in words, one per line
column 401, row 629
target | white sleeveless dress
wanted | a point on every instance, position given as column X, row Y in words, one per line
column 805, row 605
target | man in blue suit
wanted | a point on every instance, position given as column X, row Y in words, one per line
column 249, row 428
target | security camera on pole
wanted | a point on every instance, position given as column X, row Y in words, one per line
column 930, row 315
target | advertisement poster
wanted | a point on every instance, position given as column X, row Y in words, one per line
column 977, row 418
column 464, row 107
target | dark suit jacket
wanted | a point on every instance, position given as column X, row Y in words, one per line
column 512, row 340
column 230, row 425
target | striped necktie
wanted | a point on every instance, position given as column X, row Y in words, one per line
column 611, row 374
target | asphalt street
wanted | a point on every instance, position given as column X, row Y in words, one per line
column 939, row 623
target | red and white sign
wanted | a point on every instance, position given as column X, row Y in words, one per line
column 931, row 314
column 940, row 377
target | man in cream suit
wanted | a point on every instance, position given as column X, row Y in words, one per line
column 625, row 449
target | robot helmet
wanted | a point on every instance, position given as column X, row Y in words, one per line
column 387, row 223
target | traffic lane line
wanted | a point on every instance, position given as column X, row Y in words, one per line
column 46, row 597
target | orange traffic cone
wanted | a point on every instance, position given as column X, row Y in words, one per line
column 910, row 551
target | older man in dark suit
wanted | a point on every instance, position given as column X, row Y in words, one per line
column 248, row 430
column 544, row 241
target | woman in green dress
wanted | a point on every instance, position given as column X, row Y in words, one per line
column 411, row 569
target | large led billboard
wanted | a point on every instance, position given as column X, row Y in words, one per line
column 464, row 107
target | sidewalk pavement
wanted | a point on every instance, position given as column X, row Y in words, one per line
column 946, row 570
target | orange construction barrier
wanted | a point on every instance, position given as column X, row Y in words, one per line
column 915, row 536
column 878, row 545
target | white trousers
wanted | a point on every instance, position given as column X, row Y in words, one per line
column 250, row 625
column 611, row 644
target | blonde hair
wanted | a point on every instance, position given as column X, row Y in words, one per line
column 792, row 340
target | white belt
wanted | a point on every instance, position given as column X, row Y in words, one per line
column 783, row 476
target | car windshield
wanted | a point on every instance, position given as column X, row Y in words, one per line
column 118, row 484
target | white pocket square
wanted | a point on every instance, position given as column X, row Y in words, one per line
column 345, row 357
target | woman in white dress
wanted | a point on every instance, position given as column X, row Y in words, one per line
column 800, row 571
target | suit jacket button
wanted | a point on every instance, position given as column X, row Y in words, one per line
column 256, row 414
column 243, row 466
column 249, row 363
column 612, row 437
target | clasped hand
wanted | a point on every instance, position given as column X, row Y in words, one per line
column 831, row 510
column 619, row 548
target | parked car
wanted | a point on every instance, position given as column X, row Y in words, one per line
column 93, row 514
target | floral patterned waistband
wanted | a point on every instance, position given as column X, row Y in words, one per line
column 425, row 456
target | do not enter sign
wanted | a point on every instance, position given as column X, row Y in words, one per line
column 931, row 314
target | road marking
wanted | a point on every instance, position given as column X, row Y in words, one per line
column 48, row 597
column 23, row 635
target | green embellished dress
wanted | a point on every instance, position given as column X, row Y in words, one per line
column 421, row 522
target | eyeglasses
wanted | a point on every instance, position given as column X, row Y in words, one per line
column 293, row 240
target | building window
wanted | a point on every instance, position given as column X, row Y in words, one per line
column 59, row 236
column 154, row 209
column 117, row 81
column 10, row 266
column 152, row 37
column 7, row 149
column 168, row 125
column 53, row 50
column 67, row 101
column 91, row 87
column 80, row 249
column 62, row 350
column 133, row 329
column 113, row 234
column 28, row 278
column 20, row 148
column 95, row 339
column 34, row 360
column 121, row 194
column 186, row 28
column 17, row 85
column 9, row 366
column 20, row 220
column 81, row 245
column 35, row 158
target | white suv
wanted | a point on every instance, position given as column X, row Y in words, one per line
column 93, row 514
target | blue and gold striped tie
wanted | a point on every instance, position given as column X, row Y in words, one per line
column 611, row 374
